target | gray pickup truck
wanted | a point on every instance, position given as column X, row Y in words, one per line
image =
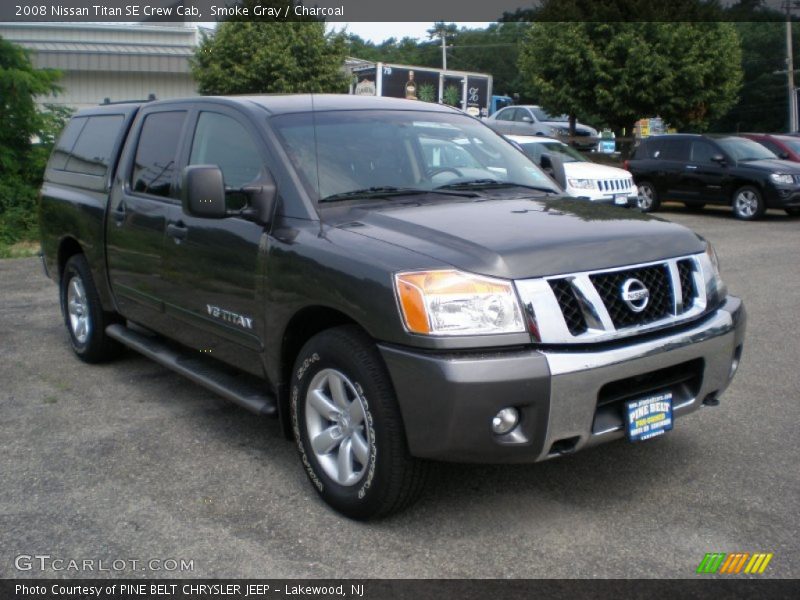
column 391, row 279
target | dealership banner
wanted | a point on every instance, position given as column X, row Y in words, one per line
column 403, row 589
column 128, row 11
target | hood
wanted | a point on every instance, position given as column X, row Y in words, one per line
column 520, row 238
column 588, row 170
column 579, row 127
column 773, row 165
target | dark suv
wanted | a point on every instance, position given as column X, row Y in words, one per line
column 702, row 169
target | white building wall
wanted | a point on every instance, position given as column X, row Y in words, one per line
column 118, row 62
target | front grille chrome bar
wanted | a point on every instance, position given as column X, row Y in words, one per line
column 541, row 304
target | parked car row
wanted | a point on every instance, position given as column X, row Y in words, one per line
column 714, row 169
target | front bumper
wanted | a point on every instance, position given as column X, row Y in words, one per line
column 448, row 402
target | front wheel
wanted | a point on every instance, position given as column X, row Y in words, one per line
column 748, row 203
column 648, row 200
column 348, row 427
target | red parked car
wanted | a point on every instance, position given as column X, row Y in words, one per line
column 784, row 146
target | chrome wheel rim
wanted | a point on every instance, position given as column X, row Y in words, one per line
column 645, row 197
column 746, row 203
column 78, row 310
column 336, row 424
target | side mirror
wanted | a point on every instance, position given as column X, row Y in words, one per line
column 262, row 194
column 783, row 155
column 203, row 192
column 718, row 158
column 527, row 120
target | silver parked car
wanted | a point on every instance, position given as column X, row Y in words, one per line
column 534, row 120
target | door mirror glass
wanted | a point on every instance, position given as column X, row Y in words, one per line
column 203, row 192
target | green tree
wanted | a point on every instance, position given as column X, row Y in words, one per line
column 616, row 73
column 270, row 57
column 21, row 124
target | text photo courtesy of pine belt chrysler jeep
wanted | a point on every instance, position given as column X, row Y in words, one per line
column 306, row 257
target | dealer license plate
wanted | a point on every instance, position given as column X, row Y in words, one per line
column 649, row 417
column 621, row 199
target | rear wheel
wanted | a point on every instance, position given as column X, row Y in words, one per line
column 748, row 203
column 648, row 197
column 83, row 314
column 348, row 427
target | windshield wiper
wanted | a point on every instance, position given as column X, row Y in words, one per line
column 386, row 191
column 494, row 183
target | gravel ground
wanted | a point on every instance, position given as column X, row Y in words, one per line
column 130, row 461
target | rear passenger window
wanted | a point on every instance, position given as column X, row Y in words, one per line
column 91, row 154
column 65, row 143
column 156, row 152
column 506, row 115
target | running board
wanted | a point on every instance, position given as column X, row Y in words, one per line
column 245, row 390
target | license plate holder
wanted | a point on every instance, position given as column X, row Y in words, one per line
column 648, row 417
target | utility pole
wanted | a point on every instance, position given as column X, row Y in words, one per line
column 790, row 68
column 444, row 51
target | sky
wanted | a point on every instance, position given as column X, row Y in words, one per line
column 377, row 32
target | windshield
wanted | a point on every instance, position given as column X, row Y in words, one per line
column 742, row 149
column 337, row 153
column 536, row 149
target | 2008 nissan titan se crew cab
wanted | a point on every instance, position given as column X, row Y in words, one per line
column 391, row 279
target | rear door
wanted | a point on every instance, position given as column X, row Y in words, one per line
column 142, row 196
column 213, row 267
column 702, row 179
column 672, row 158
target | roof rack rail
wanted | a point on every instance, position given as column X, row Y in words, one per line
column 107, row 101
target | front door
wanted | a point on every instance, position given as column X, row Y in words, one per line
column 213, row 267
column 702, row 180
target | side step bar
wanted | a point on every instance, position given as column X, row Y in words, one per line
column 245, row 390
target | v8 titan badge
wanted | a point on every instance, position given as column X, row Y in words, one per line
column 649, row 417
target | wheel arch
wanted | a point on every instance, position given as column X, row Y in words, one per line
column 67, row 248
column 301, row 327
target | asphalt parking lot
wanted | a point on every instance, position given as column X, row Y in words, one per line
column 130, row 461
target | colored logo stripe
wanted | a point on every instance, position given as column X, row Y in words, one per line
column 730, row 564
column 758, row 563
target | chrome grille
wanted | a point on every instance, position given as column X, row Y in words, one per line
column 657, row 281
column 570, row 307
column 614, row 185
column 688, row 292
column 588, row 306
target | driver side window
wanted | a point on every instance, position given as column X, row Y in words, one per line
column 221, row 140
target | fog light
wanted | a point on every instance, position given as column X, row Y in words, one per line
column 505, row 420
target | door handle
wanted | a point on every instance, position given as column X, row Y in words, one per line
column 119, row 214
column 177, row 231
column 691, row 166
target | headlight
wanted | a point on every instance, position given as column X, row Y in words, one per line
column 719, row 285
column 450, row 302
column 581, row 184
column 784, row 178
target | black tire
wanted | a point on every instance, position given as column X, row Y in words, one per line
column 94, row 345
column 792, row 212
column 648, row 200
column 390, row 478
column 695, row 205
column 748, row 203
